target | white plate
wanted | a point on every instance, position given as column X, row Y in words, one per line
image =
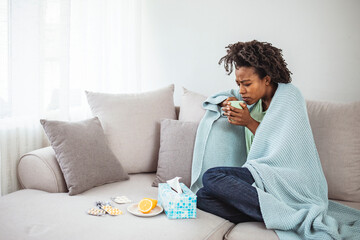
column 121, row 200
column 133, row 208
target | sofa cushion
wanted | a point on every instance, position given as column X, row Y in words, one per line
column 83, row 154
column 131, row 124
column 177, row 140
column 250, row 231
column 33, row 214
column 336, row 129
column 257, row 230
column 191, row 109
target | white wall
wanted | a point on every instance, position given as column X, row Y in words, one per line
column 183, row 40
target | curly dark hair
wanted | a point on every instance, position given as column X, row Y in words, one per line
column 265, row 58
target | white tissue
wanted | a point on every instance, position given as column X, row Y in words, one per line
column 175, row 184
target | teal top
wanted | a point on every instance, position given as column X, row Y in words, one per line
column 257, row 114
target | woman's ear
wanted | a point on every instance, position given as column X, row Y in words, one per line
column 267, row 79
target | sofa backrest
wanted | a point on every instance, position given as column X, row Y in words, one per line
column 336, row 130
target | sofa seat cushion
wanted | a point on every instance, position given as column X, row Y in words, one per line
column 250, row 231
column 34, row 214
column 258, row 231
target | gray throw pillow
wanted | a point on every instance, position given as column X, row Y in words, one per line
column 83, row 154
column 177, row 140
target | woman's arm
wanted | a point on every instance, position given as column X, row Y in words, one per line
column 253, row 125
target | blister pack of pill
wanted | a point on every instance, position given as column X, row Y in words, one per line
column 96, row 212
column 104, row 208
column 112, row 210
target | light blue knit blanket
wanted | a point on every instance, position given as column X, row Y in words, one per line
column 219, row 143
column 288, row 176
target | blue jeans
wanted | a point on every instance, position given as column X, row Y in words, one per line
column 228, row 193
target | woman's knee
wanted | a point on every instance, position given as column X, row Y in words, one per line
column 210, row 174
column 202, row 199
column 201, row 193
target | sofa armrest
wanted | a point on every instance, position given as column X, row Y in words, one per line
column 40, row 170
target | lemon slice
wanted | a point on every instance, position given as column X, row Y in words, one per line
column 154, row 201
column 145, row 205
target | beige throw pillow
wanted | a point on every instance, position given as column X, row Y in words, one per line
column 131, row 124
column 191, row 109
column 336, row 129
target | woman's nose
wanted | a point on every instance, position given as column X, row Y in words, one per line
column 242, row 90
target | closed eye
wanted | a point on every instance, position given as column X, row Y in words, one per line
column 245, row 83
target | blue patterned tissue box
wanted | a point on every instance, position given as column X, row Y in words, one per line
column 177, row 206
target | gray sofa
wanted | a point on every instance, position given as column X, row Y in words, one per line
column 44, row 210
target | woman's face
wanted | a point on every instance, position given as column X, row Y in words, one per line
column 252, row 87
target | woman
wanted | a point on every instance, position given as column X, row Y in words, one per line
column 281, row 183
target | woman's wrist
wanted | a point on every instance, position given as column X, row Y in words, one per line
column 253, row 125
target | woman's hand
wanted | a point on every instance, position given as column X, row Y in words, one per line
column 226, row 102
column 240, row 117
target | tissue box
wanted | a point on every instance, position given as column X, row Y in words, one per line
column 177, row 206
